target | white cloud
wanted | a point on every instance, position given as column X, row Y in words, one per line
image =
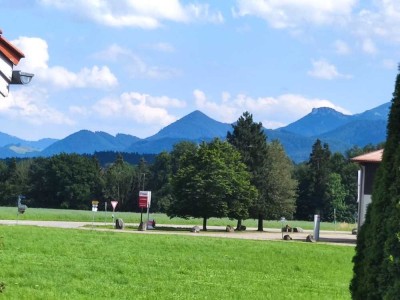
column 203, row 12
column 134, row 64
column 368, row 46
column 95, row 77
column 380, row 20
column 162, row 101
column 224, row 111
column 342, row 48
column 36, row 61
column 273, row 112
column 149, row 14
column 324, row 70
column 294, row 13
column 141, row 108
column 36, row 53
column 28, row 105
column 369, row 21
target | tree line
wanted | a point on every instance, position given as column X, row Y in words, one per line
column 245, row 176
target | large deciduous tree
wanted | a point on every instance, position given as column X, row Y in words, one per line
column 211, row 182
column 377, row 259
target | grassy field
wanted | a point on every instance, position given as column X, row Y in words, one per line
column 48, row 263
column 10, row 213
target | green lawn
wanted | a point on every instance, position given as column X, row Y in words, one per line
column 48, row 263
column 10, row 213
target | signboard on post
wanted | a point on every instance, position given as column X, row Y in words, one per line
column 144, row 202
column 144, row 199
column 94, row 205
column 114, row 204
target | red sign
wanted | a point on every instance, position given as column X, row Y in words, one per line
column 144, row 199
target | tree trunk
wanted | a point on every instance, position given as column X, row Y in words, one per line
column 260, row 223
column 239, row 224
column 204, row 224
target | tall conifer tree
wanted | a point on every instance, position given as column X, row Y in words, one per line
column 249, row 138
column 377, row 259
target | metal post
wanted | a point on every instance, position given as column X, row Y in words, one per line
column 113, row 219
column 317, row 220
column 148, row 215
column 334, row 217
column 105, row 213
column 93, row 219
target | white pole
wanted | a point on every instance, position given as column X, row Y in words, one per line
column 316, row 227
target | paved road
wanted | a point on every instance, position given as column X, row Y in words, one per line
column 331, row 237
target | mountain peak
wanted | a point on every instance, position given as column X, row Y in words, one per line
column 195, row 125
column 196, row 115
column 325, row 111
column 319, row 121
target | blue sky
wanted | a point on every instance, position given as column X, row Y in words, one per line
column 133, row 67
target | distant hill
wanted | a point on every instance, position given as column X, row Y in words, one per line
column 380, row 112
column 155, row 146
column 319, row 121
column 6, row 139
column 195, row 126
column 296, row 146
column 88, row 142
column 340, row 131
column 11, row 146
column 358, row 132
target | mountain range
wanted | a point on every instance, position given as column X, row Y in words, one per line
column 340, row 131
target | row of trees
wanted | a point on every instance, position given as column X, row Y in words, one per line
column 242, row 177
column 69, row 181
column 327, row 185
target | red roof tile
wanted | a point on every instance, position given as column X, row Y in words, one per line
column 11, row 52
